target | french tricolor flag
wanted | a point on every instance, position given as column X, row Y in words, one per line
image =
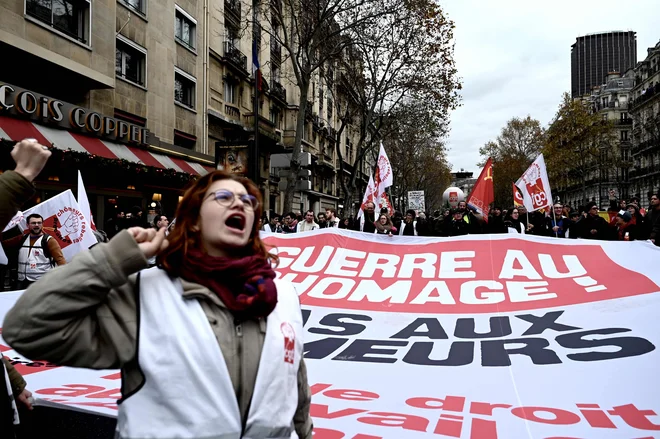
column 256, row 69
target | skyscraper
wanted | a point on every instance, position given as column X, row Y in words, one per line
column 593, row 56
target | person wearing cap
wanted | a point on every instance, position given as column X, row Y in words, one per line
column 593, row 225
column 626, row 229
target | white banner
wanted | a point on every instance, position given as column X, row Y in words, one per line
column 416, row 201
column 477, row 337
column 64, row 221
column 535, row 186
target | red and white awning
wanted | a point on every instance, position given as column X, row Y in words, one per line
column 18, row 129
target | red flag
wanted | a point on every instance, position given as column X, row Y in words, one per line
column 517, row 196
column 483, row 194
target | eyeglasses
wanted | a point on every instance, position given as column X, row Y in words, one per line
column 226, row 198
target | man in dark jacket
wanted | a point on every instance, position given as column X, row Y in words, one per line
column 593, row 226
column 653, row 220
column 495, row 221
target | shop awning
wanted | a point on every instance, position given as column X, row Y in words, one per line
column 18, row 129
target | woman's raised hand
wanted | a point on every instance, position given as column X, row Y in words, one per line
column 150, row 241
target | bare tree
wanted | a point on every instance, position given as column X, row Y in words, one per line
column 390, row 58
column 311, row 32
column 417, row 152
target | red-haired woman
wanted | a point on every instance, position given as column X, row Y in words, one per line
column 208, row 342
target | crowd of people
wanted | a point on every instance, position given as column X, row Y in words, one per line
column 627, row 221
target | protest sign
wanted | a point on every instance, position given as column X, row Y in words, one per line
column 478, row 337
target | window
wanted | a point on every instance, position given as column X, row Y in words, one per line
column 624, row 116
column 130, row 61
column 137, row 5
column 624, row 135
column 71, row 17
column 184, row 140
column 184, row 88
column 230, row 92
column 184, row 28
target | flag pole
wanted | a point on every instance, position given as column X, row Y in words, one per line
column 555, row 215
column 257, row 85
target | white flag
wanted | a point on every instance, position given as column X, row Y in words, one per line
column 535, row 186
column 64, row 221
column 384, row 178
column 369, row 195
column 83, row 201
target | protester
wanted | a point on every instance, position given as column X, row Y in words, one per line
column 409, row 224
column 513, row 222
column 331, row 217
column 625, row 229
column 38, row 252
column 218, row 337
column 457, row 226
column 308, row 224
column 366, row 222
column 384, row 225
column 495, row 221
column 16, row 189
column 593, row 226
column 652, row 225
column 556, row 222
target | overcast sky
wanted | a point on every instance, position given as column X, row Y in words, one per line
column 515, row 59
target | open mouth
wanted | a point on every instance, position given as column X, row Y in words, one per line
column 236, row 222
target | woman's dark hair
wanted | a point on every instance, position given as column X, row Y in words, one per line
column 185, row 235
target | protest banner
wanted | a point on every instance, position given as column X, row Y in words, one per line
column 416, row 201
column 479, row 337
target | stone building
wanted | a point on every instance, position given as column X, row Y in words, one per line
column 611, row 169
column 645, row 113
column 178, row 102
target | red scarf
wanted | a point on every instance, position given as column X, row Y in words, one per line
column 244, row 285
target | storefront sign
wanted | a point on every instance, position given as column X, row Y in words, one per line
column 20, row 102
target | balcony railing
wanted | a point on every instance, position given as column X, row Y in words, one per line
column 278, row 91
column 650, row 93
column 233, row 9
column 627, row 121
column 646, row 146
column 235, row 56
column 232, row 112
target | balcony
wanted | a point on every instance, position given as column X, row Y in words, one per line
column 278, row 92
column 646, row 171
column 650, row 93
column 233, row 10
column 646, row 146
column 233, row 112
column 332, row 134
column 236, row 58
column 627, row 121
column 275, row 52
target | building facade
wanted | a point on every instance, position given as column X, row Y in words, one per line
column 159, row 92
column 645, row 113
column 593, row 56
column 611, row 171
